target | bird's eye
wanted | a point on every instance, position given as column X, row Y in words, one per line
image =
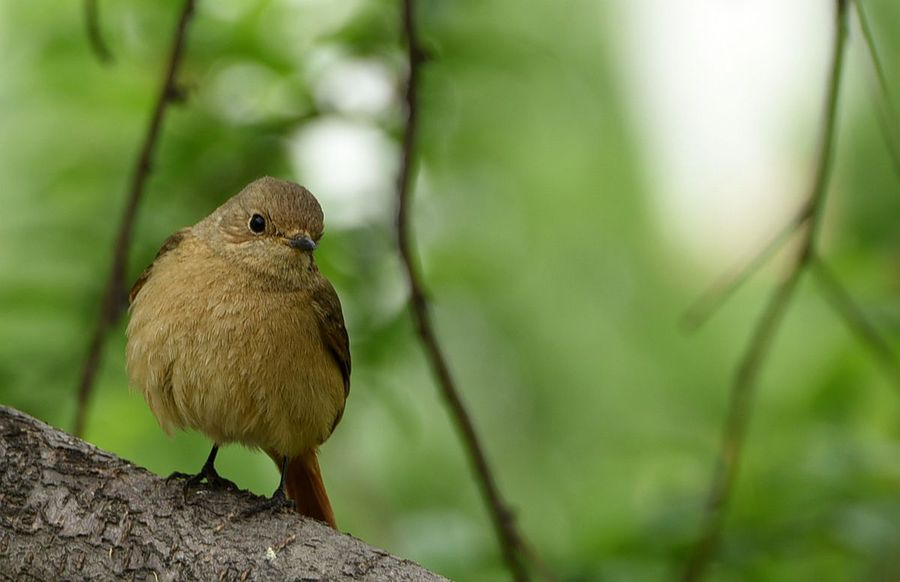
column 257, row 223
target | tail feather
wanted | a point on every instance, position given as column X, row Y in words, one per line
column 304, row 485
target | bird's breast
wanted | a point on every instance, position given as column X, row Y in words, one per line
column 213, row 350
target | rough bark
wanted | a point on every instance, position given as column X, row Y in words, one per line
column 70, row 511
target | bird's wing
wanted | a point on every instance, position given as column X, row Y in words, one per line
column 170, row 244
column 327, row 307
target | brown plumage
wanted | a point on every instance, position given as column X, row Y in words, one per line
column 235, row 333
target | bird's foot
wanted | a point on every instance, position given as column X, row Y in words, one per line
column 208, row 474
column 177, row 476
column 216, row 481
column 278, row 501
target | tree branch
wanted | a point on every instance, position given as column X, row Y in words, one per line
column 114, row 297
column 95, row 38
column 722, row 290
column 69, row 511
column 511, row 541
column 841, row 301
column 744, row 388
column 719, row 293
column 889, row 122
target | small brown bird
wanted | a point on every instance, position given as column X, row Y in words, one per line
column 235, row 333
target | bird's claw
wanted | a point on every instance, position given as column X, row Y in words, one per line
column 276, row 502
column 216, row 481
column 212, row 478
column 177, row 475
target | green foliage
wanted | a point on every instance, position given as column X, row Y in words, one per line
column 555, row 293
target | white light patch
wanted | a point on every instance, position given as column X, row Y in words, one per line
column 354, row 87
column 727, row 99
column 350, row 166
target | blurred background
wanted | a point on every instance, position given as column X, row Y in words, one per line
column 587, row 169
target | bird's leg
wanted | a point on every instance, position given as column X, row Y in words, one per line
column 211, row 475
column 280, row 493
column 208, row 473
column 279, row 498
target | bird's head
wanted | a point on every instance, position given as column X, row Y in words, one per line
column 271, row 226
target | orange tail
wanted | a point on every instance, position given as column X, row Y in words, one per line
column 304, row 485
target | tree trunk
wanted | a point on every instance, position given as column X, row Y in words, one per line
column 71, row 511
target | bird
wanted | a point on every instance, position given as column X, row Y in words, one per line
column 234, row 332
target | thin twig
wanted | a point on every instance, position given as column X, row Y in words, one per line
column 722, row 290
column 889, row 121
column 95, row 38
column 856, row 320
column 113, row 304
column 744, row 388
column 739, row 408
column 718, row 294
column 509, row 537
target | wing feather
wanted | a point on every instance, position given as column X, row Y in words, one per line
column 327, row 307
column 169, row 245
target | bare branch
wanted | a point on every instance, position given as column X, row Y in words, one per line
column 740, row 406
column 889, row 122
column 722, row 290
column 743, row 389
column 841, row 301
column 511, row 541
column 114, row 297
column 95, row 38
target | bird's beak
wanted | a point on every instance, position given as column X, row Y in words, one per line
column 302, row 242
